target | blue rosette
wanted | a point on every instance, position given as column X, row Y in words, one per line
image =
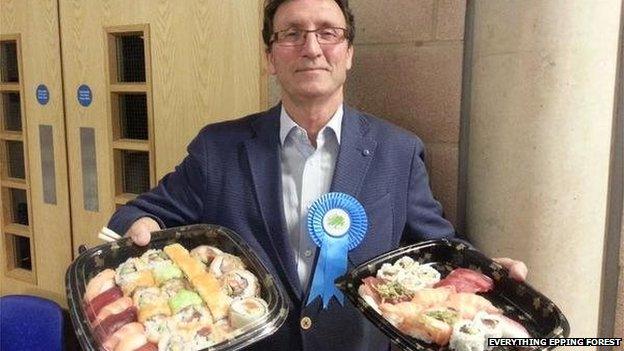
column 337, row 223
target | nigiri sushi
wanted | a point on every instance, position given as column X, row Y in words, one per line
column 468, row 304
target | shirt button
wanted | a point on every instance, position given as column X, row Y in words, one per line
column 306, row 323
column 308, row 253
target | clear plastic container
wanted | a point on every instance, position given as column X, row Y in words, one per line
column 111, row 255
column 518, row 300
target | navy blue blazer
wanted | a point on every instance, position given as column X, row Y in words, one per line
column 231, row 177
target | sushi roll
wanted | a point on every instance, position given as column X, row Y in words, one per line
column 246, row 311
column 490, row 324
column 190, row 319
column 410, row 281
column 175, row 342
column 205, row 253
column 172, row 286
column 182, row 299
column 155, row 327
column 150, row 302
column 132, row 274
column 165, row 271
column 211, row 292
column 406, row 263
column 427, row 274
column 154, row 258
column 240, row 283
column 467, row 336
column 225, row 263
column 388, row 272
column 103, row 281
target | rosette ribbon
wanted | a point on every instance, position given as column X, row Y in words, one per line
column 337, row 224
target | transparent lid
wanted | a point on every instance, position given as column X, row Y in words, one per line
column 518, row 300
column 111, row 255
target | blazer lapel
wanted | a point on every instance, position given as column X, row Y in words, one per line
column 264, row 162
column 356, row 152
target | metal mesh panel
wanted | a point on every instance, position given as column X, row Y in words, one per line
column 133, row 116
column 15, row 159
column 21, row 252
column 19, row 205
column 8, row 62
column 130, row 58
column 135, row 172
column 11, row 112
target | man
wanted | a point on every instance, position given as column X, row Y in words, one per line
column 258, row 175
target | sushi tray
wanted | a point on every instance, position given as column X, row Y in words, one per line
column 444, row 295
column 197, row 287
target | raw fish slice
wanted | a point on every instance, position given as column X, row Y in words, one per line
column 122, row 333
column 399, row 312
column 115, row 307
column 428, row 297
column 114, row 322
column 467, row 280
column 100, row 283
column 468, row 304
column 97, row 303
column 132, row 342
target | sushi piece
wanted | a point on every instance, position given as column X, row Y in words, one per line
column 240, row 283
column 154, row 258
column 97, row 303
column 410, row 281
column 122, row 333
column 467, row 336
column 180, row 256
column 114, row 322
column 467, row 280
column 182, row 299
column 246, row 311
column 406, row 263
column 490, row 324
column 150, row 302
column 115, row 307
column 155, row 327
column 429, row 297
column 175, row 342
column 431, row 325
column 190, row 319
column 172, row 286
column 205, row 253
column 388, row 272
column 103, row 281
column 225, row 263
column 468, row 304
column 132, row 274
column 427, row 275
column 210, row 291
column 397, row 313
column 165, row 271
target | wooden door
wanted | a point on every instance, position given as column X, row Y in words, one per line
column 141, row 78
column 35, row 243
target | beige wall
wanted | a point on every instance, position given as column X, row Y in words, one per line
column 407, row 69
column 542, row 99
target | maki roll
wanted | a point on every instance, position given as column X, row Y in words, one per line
column 165, row 271
column 225, row 263
column 467, row 336
column 132, row 274
column 182, row 299
column 191, row 319
column 172, row 286
column 246, row 311
column 205, row 253
column 240, row 283
column 210, row 291
column 427, row 275
column 155, row 327
column 406, row 263
column 154, row 258
column 150, row 302
column 388, row 272
column 490, row 324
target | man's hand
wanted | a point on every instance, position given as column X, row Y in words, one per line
column 517, row 269
column 141, row 230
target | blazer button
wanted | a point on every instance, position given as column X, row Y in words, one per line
column 306, row 323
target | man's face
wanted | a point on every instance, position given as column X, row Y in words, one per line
column 311, row 70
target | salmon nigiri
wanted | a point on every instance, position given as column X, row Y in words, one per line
column 105, row 280
column 468, row 304
column 431, row 325
column 123, row 332
column 399, row 312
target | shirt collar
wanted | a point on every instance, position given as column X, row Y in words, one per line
column 287, row 124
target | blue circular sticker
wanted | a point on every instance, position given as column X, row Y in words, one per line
column 84, row 95
column 43, row 95
column 337, row 214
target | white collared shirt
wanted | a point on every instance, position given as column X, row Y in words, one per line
column 306, row 175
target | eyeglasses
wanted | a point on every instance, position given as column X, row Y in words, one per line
column 297, row 37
